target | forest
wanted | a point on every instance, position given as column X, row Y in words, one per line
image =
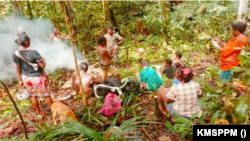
column 153, row 31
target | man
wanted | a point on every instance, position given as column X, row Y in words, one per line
column 113, row 40
column 105, row 59
column 87, row 80
column 56, row 36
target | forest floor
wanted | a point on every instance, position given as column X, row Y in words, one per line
column 141, row 106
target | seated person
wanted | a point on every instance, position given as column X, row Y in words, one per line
column 149, row 78
column 177, row 58
column 184, row 95
column 169, row 69
column 88, row 80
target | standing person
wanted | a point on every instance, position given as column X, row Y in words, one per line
column 32, row 76
column 56, row 36
column 230, row 52
column 113, row 40
column 105, row 59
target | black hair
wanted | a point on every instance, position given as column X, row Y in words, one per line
column 178, row 54
column 144, row 63
column 168, row 61
column 83, row 66
column 177, row 64
column 101, row 39
column 140, row 59
column 181, row 76
column 240, row 26
column 110, row 27
column 21, row 38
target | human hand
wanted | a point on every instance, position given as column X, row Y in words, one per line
column 216, row 39
column 20, row 83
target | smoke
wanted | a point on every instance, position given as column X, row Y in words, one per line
column 57, row 55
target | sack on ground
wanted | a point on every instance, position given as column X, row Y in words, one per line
column 113, row 82
column 132, row 86
column 112, row 105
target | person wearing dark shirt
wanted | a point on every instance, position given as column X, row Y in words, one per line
column 169, row 69
column 34, row 80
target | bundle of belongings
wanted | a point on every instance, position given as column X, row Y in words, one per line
column 111, row 89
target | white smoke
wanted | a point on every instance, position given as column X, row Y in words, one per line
column 57, row 55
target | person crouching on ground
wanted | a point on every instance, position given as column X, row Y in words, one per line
column 34, row 79
column 230, row 52
column 182, row 98
column 88, row 81
column 150, row 79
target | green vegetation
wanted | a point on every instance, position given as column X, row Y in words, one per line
column 160, row 31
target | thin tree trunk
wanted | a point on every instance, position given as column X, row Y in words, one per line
column 18, row 111
column 103, row 7
column 37, row 13
column 16, row 9
column 70, row 28
column 242, row 11
column 30, row 10
column 113, row 20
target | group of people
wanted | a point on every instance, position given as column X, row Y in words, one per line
column 180, row 99
column 30, row 65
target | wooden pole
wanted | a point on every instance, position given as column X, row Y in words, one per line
column 18, row 111
column 69, row 27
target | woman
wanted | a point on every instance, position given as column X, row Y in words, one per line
column 230, row 52
column 33, row 79
column 182, row 98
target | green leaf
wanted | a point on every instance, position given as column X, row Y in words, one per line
column 170, row 127
column 240, row 108
column 223, row 116
column 25, row 109
column 214, row 117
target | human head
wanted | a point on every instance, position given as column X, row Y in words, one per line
column 238, row 28
column 56, row 31
column 177, row 55
column 110, row 29
column 83, row 66
column 167, row 62
column 23, row 39
column 102, row 41
column 177, row 64
column 184, row 74
column 144, row 63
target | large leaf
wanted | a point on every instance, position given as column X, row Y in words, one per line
column 240, row 108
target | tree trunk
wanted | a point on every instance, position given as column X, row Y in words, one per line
column 30, row 10
column 103, row 7
column 242, row 11
column 16, row 9
column 70, row 29
column 113, row 20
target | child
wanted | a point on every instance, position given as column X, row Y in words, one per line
column 177, row 58
column 185, row 96
column 169, row 69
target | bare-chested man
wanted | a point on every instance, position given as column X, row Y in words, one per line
column 106, row 58
column 87, row 80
